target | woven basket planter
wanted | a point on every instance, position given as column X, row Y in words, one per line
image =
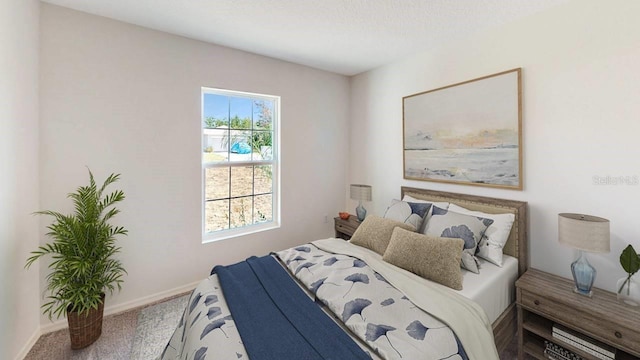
column 85, row 328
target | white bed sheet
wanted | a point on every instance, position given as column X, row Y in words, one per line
column 494, row 287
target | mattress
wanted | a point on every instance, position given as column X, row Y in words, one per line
column 494, row 287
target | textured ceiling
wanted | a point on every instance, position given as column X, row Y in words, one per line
column 342, row 36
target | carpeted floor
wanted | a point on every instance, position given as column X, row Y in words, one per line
column 138, row 334
column 155, row 326
column 128, row 335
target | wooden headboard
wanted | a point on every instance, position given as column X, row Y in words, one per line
column 516, row 246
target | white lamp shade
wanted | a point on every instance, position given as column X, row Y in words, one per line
column 360, row 192
column 584, row 232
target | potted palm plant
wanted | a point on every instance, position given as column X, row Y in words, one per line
column 84, row 267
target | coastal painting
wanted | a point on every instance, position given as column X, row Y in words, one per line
column 466, row 133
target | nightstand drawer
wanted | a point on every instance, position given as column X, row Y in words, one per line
column 345, row 227
column 589, row 323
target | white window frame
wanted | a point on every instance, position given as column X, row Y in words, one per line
column 274, row 162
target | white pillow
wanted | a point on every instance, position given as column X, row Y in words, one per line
column 441, row 205
column 496, row 235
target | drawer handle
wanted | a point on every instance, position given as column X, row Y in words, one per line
column 618, row 334
column 537, row 302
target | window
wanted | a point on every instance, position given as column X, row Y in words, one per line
column 239, row 163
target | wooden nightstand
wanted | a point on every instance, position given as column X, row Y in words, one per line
column 544, row 299
column 346, row 228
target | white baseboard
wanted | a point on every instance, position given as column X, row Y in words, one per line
column 110, row 310
column 150, row 299
column 27, row 347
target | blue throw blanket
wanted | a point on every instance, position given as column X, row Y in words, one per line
column 276, row 319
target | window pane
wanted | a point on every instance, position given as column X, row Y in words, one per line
column 215, row 146
column 263, row 114
column 216, row 111
column 261, row 142
column 241, row 210
column 216, row 215
column 262, row 179
column 240, row 112
column 217, row 183
column 240, row 146
column 241, row 181
column 263, row 209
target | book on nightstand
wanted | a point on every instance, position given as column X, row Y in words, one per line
column 591, row 346
column 554, row 351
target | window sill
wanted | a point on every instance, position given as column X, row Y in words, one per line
column 238, row 232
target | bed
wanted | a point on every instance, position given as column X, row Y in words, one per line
column 505, row 325
column 354, row 296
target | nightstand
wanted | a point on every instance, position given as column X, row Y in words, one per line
column 346, row 228
column 544, row 299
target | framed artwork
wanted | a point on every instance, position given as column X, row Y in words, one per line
column 467, row 133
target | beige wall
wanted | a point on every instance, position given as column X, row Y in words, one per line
column 581, row 86
column 121, row 98
column 20, row 292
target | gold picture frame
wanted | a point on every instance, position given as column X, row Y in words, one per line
column 468, row 133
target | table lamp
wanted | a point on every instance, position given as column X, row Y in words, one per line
column 588, row 234
column 360, row 193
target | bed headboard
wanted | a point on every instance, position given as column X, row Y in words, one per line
column 517, row 245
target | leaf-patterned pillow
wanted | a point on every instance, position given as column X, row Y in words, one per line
column 445, row 223
column 496, row 236
column 407, row 212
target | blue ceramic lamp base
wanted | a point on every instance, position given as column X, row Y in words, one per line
column 583, row 275
column 361, row 212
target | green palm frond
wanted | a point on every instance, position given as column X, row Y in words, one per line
column 83, row 249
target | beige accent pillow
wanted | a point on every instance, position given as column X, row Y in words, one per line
column 375, row 232
column 433, row 258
